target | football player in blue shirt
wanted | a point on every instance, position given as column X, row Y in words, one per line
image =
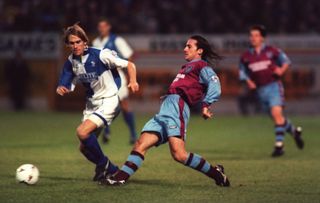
column 109, row 40
column 94, row 69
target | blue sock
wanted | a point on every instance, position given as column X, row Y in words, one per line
column 90, row 156
column 129, row 118
column 106, row 131
column 289, row 127
column 92, row 145
column 198, row 163
column 132, row 164
column 279, row 132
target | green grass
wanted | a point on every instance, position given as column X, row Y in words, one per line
column 242, row 145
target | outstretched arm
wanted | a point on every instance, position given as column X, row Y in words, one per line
column 66, row 79
column 114, row 61
column 132, row 72
column 211, row 80
column 283, row 62
column 244, row 76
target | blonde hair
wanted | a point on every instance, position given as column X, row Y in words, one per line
column 76, row 30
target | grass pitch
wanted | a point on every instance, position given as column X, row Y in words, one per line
column 242, row 145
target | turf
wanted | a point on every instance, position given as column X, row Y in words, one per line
column 242, row 145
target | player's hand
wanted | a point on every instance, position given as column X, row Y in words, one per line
column 251, row 85
column 134, row 86
column 61, row 90
column 278, row 71
column 206, row 113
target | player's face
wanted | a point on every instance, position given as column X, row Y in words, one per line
column 104, row 28
column 191, row 50
column 256, row 39
column 76, row 45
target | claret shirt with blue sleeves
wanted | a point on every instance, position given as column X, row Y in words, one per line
column 259, row 67
column 196, row 82
column 95, row 71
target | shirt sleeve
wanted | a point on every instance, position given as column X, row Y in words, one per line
column 282, row 58
column 211, row 80
column 111, row 58
column 123, row 47
column 243, row 72
column 67, row 76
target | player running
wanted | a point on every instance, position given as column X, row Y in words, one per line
column 195, row 82
column 94, row 69
column 262, row 67
column 111, row 41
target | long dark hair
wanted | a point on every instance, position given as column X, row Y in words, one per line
column 208, row 54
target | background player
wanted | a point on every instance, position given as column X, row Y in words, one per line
column 195, row 82
column 106, row 39
column 261, row 67
column 92, row 68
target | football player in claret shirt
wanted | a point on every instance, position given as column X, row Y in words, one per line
column 93, row 69
column 196, row 82
column 262, row 67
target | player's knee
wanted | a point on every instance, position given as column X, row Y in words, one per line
column 82, row 148
column 81, row 133
column 138, row 146
column 179, row 156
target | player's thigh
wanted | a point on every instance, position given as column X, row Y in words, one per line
column 85, row 128
column 177, row 149
column 103, row 111
column 145, row 141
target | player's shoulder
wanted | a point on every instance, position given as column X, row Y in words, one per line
column 273, row 49
column 108, row 53
column 199, row 63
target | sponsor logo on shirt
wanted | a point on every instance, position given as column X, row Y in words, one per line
column 179, row 76
column 259, row 66
column 88, row 77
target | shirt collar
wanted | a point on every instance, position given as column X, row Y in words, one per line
column 251, row 49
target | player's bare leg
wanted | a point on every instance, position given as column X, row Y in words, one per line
column 283, row 125
column 279, row 121
column 90, row 148
column 195, row 161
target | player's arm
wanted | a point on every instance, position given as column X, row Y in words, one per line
column 211, row 80
column 284, row 62
column 115, row 62
column 132, row 72
column 244, row 76
column 66, row 79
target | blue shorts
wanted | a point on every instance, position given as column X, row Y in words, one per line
column 271, row 95
column 171, row 121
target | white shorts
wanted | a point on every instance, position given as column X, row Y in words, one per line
column 101, row 111
column 123, row 91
